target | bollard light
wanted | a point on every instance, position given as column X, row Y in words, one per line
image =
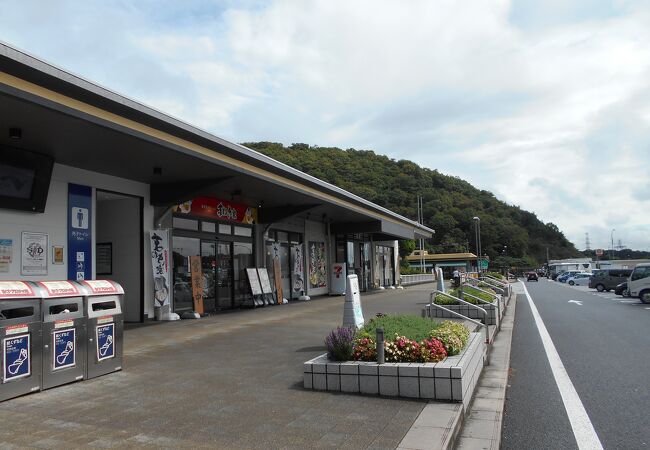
column 380, row 346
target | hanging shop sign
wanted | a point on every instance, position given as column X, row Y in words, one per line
column 218, row 209
column 34, row 254
column 80, row 255
column 298, row 269
column 317, row 265
column 197, row 283
column 159, row 240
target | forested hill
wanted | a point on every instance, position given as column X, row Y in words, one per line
column 449, row 202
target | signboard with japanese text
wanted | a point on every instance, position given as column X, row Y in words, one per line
column 317, row 265
column 197, row 283
column 79, row 232
column 218, row 209
column 63, row 348
column 105, row 341
column 59, row 288
column 254, row 281
column 298, row 268
column 159, row 240
column 34, row 254
column 16, row 358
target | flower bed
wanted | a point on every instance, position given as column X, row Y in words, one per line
column 452, row 379
column 424, row 359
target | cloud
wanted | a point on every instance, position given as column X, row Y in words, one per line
column 543, row 103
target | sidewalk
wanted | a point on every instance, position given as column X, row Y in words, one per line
column 227, row 381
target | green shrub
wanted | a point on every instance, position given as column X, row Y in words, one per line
column 412, row 327
column 475, row 292
column 495, row 275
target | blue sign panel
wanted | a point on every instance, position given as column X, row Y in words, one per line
column 105, row 341
column 63, row 346
column 79, row 232
column 16, row 357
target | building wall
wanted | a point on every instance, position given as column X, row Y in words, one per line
column 54, row 222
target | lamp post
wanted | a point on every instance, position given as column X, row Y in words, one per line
column 477, row 230
column 611, row 251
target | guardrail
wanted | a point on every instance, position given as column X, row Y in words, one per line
column 472, row 305
column 408, row 280
column 473, row 281
column 495, row 303
column 505, row 284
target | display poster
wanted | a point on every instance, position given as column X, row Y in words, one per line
column 265, row 282
column 80, row 255
column 16, row 357
column 57, row 254
column 6, row 254
column 197, row 283
column 298, row 268
column 104, row 258
column 159, row 240
column 63, row 348
column 317, row 265
column 254, row 281
column 34, row 254
column 105, row 339
column 218, row 209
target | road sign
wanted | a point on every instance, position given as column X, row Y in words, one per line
column 483, row 263
column 599, row 252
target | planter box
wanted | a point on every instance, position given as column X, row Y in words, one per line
column 453, row 379
column 467, row 311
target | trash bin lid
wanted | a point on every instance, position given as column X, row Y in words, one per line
column 56, row 289
column 102, row 287
column 17, row 290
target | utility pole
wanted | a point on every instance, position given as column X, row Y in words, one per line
column 587, row 243
column 611, row 252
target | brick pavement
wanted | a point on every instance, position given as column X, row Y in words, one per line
column 229, row 381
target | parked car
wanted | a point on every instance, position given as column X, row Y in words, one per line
column 579, row 279
column 532, row 276
column 621, row 289
column 639, row 282
column 566, row 275
column 555, row 276
column 608, row 279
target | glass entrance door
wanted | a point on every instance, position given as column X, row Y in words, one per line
column 224, row 275
column 208, row 266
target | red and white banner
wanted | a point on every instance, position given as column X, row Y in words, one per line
column 15, row 289
column 218, row 209
column 59, row 288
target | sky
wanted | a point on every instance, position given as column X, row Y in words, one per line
column 544, row 103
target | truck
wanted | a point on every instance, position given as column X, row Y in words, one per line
column 639, row 282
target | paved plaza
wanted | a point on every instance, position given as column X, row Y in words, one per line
column 229, row 381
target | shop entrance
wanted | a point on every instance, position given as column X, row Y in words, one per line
column 216, row 264
column 119, row 247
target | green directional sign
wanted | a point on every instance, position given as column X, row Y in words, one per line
column 483, row 263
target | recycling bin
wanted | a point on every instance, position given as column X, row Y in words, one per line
column 64, row 333
column 104, row 326
column 20, row 337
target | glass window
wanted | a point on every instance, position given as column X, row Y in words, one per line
column 340, row 251
column 243, row 231
column 183, row 248
column 225, row 229
column 242, row 260
column 209, row 227
column 640, row 272
column 185, row 224
column 283, row 236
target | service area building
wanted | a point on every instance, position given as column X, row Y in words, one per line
column 87, row 176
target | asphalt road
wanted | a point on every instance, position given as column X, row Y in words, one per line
column 604, row 346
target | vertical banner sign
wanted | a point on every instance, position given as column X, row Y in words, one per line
column 79, row 232
column 105, row 335
column 317, row 265
column 16, row 357
column 197, row 283
column 159, row 240
column 298, row 269
column 63, row 346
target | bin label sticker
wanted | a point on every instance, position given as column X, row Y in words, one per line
column 101, row 286
column 63, row 324
column 59, row 288
column 17, row 329
column 63, row 346
column 16, row 358
column 15, row 289
column 105, row 319
column 105, row 335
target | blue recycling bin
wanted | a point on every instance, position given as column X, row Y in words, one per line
column 20, row 338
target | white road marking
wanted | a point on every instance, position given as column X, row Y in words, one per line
column 583, row 429
column 627, row 301
column 577, row 302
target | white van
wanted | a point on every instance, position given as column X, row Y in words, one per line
column 639, row 282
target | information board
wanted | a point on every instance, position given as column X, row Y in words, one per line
column 105, row 339
column 265, row 281
column 64, row 349
column 254, row 281
column 16, row 358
